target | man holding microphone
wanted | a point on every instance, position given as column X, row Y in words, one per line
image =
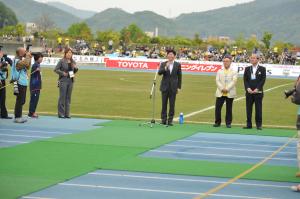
column 170, row 86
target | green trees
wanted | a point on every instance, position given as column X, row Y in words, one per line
column 80, row 31
column 267, row 37
column 7, row 16
column 133, row 34
column 16, row 31
column 108, row 35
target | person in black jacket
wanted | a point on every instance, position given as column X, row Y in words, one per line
column 35, row 84
column 4, row 62
column 170, row 86
column 254, row 80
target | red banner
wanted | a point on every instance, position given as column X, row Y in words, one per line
column 153, row 64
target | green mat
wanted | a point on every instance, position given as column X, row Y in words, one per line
column 30, row 167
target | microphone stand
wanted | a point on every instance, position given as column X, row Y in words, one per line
column 152, row 122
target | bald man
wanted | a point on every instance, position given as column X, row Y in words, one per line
column 20, row 67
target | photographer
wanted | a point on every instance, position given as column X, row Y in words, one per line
column 4, row 62
column 66, row 69
column 295, row 98
column 35, row 84
column 20, row 66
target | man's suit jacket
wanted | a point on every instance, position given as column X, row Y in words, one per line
column 170, row 81
column 228, row 83
column 258, row 82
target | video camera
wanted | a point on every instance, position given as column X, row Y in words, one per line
column 30, row 49
column 3, row 62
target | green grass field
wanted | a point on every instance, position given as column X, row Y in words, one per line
column 116, row 94
column 30, row 167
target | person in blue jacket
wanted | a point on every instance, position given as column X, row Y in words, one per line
column 35, row 85
column 21, row 65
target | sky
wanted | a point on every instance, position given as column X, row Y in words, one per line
column 167, row 8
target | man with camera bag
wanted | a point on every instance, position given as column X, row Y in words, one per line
column 20, row 67
column 4, row 62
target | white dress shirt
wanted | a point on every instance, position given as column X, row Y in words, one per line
column 171, row 67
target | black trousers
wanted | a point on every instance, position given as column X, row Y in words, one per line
column 257, row 100
column 218, row 110
column 168, row 96
column 3, row 110
column 298, row 122
column 21, row 99
column 34, row 100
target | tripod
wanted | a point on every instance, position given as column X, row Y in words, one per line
column 152, row 122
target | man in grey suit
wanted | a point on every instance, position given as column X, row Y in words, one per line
column 170, row 86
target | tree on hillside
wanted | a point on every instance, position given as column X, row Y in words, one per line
column 7, row 16
column 267, row 39
column 197, row 40
column 108, row 35
column 133, row 34
column 80, row 31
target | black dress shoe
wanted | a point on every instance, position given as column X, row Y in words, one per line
column 163, row 123
column 67, row 117
column 62, row 117
column 7, row 118
column 259, row 128
column 216, row 125
column 170, row 124
column 247, row 127
column 228, row 126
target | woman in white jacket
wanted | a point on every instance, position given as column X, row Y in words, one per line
column 226, row 80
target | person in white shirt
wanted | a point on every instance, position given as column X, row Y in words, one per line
column 226, row 80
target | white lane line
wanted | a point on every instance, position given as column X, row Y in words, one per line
column 24, row 136
column 10, row 141
column 237, row 99
column 154, row 190
column 33, row 197
column 232, row 143
column 184, row 180
column 223, row 148
column 221, row 155
column 33, row 131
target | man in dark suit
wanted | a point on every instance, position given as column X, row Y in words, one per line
column 170, row 86
column 254, row 80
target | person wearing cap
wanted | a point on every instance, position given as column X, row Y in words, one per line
column 35, row 84
column 226, row 80
column 4, row 62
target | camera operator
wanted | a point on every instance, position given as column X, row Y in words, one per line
column 20, row 67
column 4, row 62
column 294, row 94
column 66, row 69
